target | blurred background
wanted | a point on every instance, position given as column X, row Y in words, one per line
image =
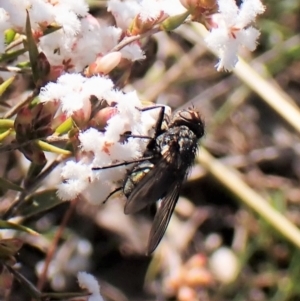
column 220, row 244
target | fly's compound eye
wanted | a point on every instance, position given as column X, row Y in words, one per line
column 189, row 118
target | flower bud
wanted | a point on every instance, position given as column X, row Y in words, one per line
column 101, row 117
column 196, row 4
column 197, row 260
column 104, row 64
column 82, row 116
column 197, row 277
column 140, row 25
column 173, row 22
column 186, row 293
column 55, row 72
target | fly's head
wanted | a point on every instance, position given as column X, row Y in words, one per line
column 189, row 118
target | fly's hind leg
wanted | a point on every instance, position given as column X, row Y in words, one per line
column 113, row 192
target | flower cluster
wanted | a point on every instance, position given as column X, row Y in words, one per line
column 230, row 29
column 146, row 11
column 76, row 62
column 81, row 39
column 99, row 148
column 78, row 43
column 78, row 40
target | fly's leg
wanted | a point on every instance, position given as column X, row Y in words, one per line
column 157, row 130
column 158, row 125
column 113, row 192
column 124, row 163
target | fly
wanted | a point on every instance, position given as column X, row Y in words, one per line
column 159, row 174
column 173, row 154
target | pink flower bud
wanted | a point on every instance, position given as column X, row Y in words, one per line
column 194, row 4
column 101, row 118
column 82, row 116
column 104, row 64
column 140, row 25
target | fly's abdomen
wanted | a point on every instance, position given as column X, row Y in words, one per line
column 135, row 176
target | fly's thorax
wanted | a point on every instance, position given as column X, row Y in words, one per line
column 187, row 141
column 178, row 146
column 135, row 176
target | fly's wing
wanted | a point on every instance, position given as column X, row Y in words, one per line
column 152, row 187
column 163, row 216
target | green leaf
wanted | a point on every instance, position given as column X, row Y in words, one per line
column 24, row 65
column 9, row 225
column 6, row 124
column 9, row 36
column 33, row 50
column 5, row 134
column 39, row 202
column 51, row 148
column 38, row 163
column 64, row 127
column 6, row 84
column 7, row 185
column 11, row 55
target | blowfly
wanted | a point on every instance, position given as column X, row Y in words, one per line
column 159, row 174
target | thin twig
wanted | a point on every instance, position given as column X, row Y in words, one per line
column 131, row 39
column 15, row 69
column 255, row 156
column 16, row 145
column 187, row 60
column 19, row 105
column 17, row 203
column 13, row 146
column 15, row 43
column 51, row 251
column 55, row 138
column 46, row 172
column 231, row 179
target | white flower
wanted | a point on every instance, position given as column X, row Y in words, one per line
column 4, row 24
column 125, row 11
column 69, row 21
column 150, row 9
column 17, row 12
column 90, row 283
column 75, row 177
column 109, row 35
column 101, row 149
column 72, row 92
column 79, row 7
column 133, row 52
column 64, row 13
column 79, row 41
column 230, row 30
column 175, row 9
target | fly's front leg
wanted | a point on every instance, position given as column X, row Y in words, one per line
column 158, row 126
column 124, row 163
